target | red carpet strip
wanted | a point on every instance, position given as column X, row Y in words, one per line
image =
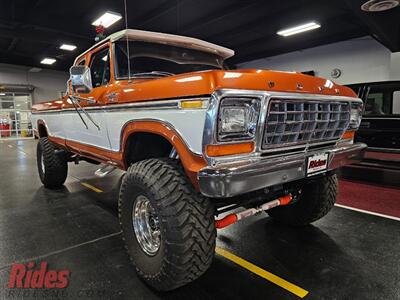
column 369, row 197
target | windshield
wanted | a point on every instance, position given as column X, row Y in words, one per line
column 156, row 60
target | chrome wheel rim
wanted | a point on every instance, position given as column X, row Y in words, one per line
column 42, row 163
column 146, row 225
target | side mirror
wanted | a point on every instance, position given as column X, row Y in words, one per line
column 81, row 80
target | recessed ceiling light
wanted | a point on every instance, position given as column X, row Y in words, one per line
column 67, row 47
column 48, row 61
column 299, row 29
column 107, row 19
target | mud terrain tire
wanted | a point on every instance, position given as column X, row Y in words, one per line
column 185, row 221
column 52, row 164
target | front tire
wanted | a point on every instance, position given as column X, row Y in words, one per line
column 316, row 199
column 168, row 228
column 52, row 164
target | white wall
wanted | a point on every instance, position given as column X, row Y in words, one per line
column 48, row 83
column 360, row 60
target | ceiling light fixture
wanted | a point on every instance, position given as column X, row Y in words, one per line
column 48, row 61
column 379, row 5
column 67, row 47
column 299, row 29
column 107, row 19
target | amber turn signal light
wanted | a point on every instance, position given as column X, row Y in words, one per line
column 230, row 149
column 348, row 135
column 192, row 104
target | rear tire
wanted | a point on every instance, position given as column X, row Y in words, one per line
column 179, row 224
column 316, row 199
column 52, row 164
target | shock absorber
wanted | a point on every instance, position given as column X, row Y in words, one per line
column 233, row 218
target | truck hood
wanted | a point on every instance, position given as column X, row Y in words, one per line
column 206, row 82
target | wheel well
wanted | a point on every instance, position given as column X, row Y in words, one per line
column 42, row 130
column 143, row 145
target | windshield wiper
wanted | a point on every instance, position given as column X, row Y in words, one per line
column 152, row 74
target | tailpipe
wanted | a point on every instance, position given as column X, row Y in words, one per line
column 233, row 218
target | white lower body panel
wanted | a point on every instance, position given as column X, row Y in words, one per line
column 188, row 123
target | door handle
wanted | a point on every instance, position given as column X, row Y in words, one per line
column 88, row 100
column 91, row 100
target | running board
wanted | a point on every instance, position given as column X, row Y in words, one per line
column 105, row 170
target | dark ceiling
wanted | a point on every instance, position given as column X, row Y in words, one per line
column 33, row 29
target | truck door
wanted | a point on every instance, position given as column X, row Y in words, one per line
column 91, row 132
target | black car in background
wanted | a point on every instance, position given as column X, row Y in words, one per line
column 380, row 130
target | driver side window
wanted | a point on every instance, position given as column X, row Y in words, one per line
column 100, row 68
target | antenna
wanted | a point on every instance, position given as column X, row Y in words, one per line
column 127, row 42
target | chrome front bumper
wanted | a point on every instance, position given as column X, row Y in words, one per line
column 227, row 180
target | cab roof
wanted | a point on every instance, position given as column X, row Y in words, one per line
column 165, row 38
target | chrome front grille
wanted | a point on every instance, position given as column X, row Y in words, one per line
column 292, row 122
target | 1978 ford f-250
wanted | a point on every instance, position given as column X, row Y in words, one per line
column 196, row 140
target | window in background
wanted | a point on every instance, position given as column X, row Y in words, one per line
column 375, row 104
column 15, row 115
column 396, row 102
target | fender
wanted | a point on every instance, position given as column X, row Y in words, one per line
column 191, row 162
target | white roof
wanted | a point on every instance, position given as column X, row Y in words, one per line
column 164, row 38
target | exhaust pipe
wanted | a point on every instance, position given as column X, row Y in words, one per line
column 233, row 218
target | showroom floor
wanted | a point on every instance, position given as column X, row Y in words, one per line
column 346, row 255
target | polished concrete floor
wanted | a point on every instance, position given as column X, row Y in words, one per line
column 346, row 255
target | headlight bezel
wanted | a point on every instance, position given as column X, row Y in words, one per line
column 251, row 108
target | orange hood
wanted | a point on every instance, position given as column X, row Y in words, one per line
column 206, row 82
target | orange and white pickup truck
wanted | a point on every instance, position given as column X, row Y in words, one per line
column 197, row 141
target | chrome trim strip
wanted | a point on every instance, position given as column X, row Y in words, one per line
column 142, row 105
column 366, row 118
column 45, row 112
column 383, row 150
column 155, row 105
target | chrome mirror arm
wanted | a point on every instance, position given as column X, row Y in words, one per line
column 76, row 104
column 90, row 118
